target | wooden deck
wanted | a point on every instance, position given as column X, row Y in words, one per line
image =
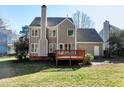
column 69, row 55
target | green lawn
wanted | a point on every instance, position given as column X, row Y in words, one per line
column 7, row 58
column 42, row 74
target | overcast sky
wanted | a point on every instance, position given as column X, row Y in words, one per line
column 18, row 16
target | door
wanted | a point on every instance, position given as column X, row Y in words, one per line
column 96, row 50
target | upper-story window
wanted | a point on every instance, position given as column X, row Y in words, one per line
column 34, row 33
column 52, row 33
column 70, row 32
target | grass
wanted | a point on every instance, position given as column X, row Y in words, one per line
column 7, row 58
column 43, row 74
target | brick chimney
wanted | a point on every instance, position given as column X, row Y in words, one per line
column 43, row 20
column 106, row 31
column 43, row 50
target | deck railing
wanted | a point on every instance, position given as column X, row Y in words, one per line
column 69, row 55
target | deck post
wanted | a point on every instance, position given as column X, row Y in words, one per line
column 56, row 62
column 70, row 62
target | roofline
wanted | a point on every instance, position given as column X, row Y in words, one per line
column 65, row 18
column 63, row 21
column 85, row 28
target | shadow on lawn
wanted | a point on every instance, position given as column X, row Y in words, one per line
column 12, row 68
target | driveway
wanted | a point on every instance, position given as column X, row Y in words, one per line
column 99, row 61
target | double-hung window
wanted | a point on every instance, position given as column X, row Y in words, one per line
column 52, row 47
column 34, row 33
column 52, row 33
column 34, row 47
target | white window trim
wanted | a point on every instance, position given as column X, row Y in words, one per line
column 52, row 44
column 34, row 48
column 75, row 38
column 33, row 31
column 71, row 46
column 57, row 38
column 73, row 32
column 67, row 45
column 52, row 32
column 37, row 32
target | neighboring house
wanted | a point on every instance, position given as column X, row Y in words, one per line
column 7, row 39
column 3, row 44
column 47, row 34
column 11, row 39
column 105, row 33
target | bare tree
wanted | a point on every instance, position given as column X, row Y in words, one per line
column 82, row 20
column 1, row 23
column 76, row 18
column 3, row 28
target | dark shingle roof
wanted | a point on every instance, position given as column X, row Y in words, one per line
column 88, row 35
column 51, row 21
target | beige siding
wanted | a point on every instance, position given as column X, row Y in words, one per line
column 33, row 39
column 89, row 48
column 52, row 40
column 62, row 32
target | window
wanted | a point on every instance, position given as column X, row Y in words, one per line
column 52, row 47
column 52, row 33
column 61, row 46
column 34, row 33
column 68, row 46
column 73, row 46
column 70, row 33
column 34, row 47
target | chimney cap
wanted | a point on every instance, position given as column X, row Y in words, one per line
column 43, row 5
column 106, row 21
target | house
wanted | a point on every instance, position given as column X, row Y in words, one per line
column 11, row 39
column 105, row 33
column 3, row 44
column 7, row 39
column 47, row 34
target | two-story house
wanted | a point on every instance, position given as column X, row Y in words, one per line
column 47, row 34
column 3, row 44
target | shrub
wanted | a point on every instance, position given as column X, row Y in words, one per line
column 88, row 59
column 21, row 48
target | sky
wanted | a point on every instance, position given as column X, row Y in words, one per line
column 16, row 16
